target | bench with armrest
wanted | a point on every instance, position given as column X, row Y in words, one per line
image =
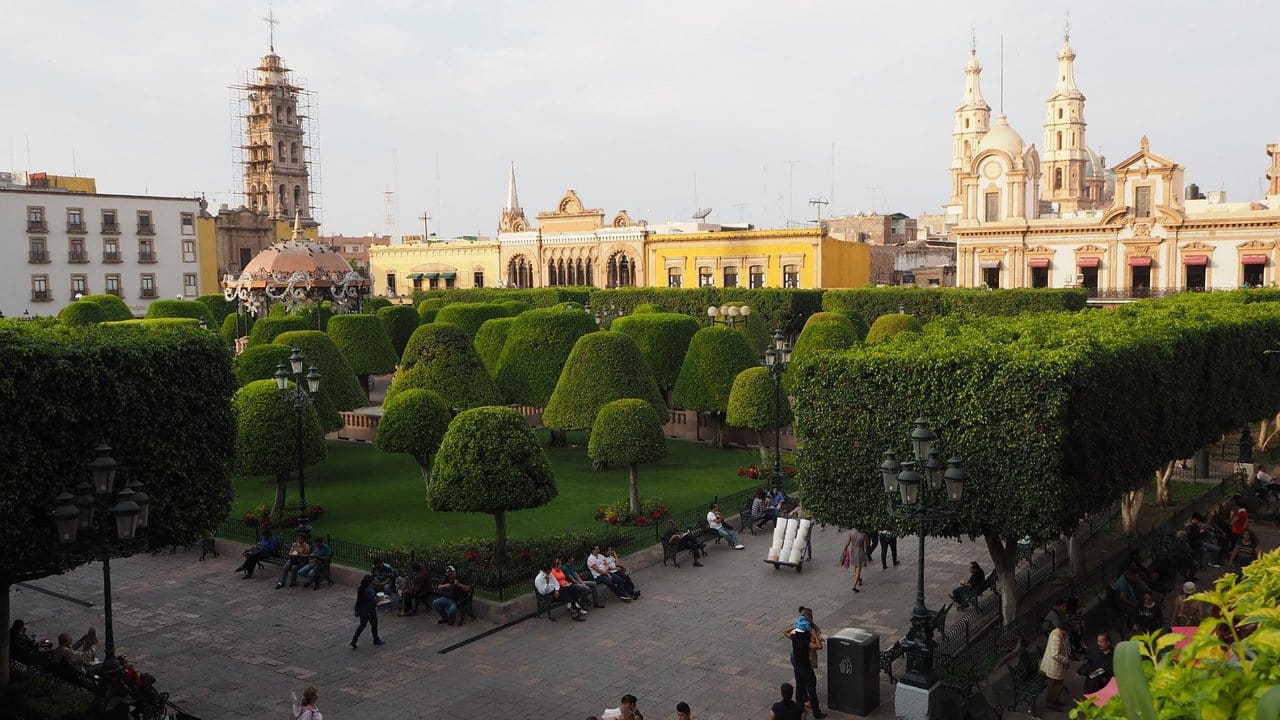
column 889, row 656
column 968, row 596
column 671, row 552
column 1028, row 682
column 547, row 603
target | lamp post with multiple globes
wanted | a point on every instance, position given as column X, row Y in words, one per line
column 299, row 396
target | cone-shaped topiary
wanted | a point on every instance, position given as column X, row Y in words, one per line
column 859, row 326
column 537, row 346
column 363, row 344
column 490, row 341
column 265, row 329
column 427, row 310
column 753, row 327
column 372, row 305
column 490, row 462
column 628, row 432
column 663, row 339
column 414, row 422
column 178, row 309
column 266, row 434
column 319, row 351
column 715, row 357
column 824, row 332
column 470, row 316
column 81, row 313
column 219, row 307
column 112, row 305
column 441, row 358
column 399, row 322
column 260, row 362
column 603, row 366
column 752, row 403
column 236, row 325
column 886, row 326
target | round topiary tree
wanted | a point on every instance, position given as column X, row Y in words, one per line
column 399, row 322
column 470, row 316
column 336, row 377
column 112, row 305
column 363, row 344
column 82, row 313
column 753, row 402
column 604, row 366
column 372, row 305
column 267, row 437
column 427, row 310
column 663, row 339
column 236, row 325
column 490, row 340
column 265, row 329
column 414, row 422
column 316, row 316
column 627, row 432
column 219, row 307
column 643, row 308
column 888, row 325
column 824, row 332
column 859, row 326
column 260, row 362
column 178, row 309
column 715, row 357
column 441, row 358
column 538, row 344
column 515, row 307
column 490, row 462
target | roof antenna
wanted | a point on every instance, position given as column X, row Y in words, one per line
column 1066, row 30
column 271, row 22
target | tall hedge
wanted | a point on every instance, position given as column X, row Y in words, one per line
column 260, row 363
column 399, row 322
column 414, row 422
column 663, row 338
column 427, row 310
column 82, row 313
column 267, row 439
column 537, row 297
column 715, row 357
column 179, row 309
column 628, row 432
column 929, row 303
column 515, row 307
column 441, row 358
column 888, row 325
column 319, row 351
column 825, row 332
column 470, row 316
column 112, row 305
column 490, row 340
column 265, row 329
column 603, row 367
column 538, row 344
column 363, row 344
column 371, row 306
column 218, row 305
column 778, row 308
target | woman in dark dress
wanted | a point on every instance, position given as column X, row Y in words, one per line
column 366, row 610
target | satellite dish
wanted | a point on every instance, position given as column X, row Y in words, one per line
column 702, row 214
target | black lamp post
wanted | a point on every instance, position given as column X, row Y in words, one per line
column 728, row 314
column 776, row 360
column 100, row 522
column 603, row 315
column 908, row 497
column 299, row 398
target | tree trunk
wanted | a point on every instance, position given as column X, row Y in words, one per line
column 764, row 451
column 282, row 485
column 666, row 398
column 4, row 641
column 1004, row 558
column 1162, row 483
column 559, row 438
column 1130, row 506
column 424, row 464
column 1075, row 553
column 499, row 538
column 717, row 430
column 635, row 488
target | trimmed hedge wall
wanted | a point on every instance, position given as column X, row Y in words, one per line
column 778, row 308
column 537, row 297
column 929, row 303
column 663, row 338
column 470, row 316
column 603, row 366
column 538, row 344
column 179, row 309
column 112, row 305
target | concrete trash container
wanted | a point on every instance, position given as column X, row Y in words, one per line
column 853, row 671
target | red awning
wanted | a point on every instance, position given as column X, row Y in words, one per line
column 1139, row 261
column 1088, row 262
column 1038, row 262
column 1195, row 259
column 1253, row 259
column 988, row 264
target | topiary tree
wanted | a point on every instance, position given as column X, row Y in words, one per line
column 260, row 362
column 316, row 315
column 372, row 305
column 112, row 305
column 886, row 326
column 753, row 327
column 663, row 339
column 604, row 366
column 490, row 462
column 490, row 340
column 414, row 422
column 427, row 310
column 364, row 345
column 81, row 313
column 470, row 316
column 538, row 344
column 859, row 326
column 515, row 307
column 643, row 308
column 824, row 332
column 399, row 322
column 336, row 377
column 627, row 431
column 236, row 325
column 753, row 402
column 219, row 307
column 715, row 357
column 179, row 309
column 267, row 437
column 441, row 358
column 265, row 329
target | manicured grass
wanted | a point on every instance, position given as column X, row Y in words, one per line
column 378, row 498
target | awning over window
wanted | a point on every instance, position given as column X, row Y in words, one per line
column 1139, row 261
column 1038, row 262
column 1195, row 259
column 1088, row 262
column 448, row 276
column 415, row 276
column 988, row 264
column 1253, row 259
column 431, row 276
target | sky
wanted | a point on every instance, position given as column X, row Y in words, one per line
column 748, row 107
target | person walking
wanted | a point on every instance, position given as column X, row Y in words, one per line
column 856, row 550
column 306, row 708
column 366, row 610
column 888, row 546
column 1054, row 666
column 802, row 641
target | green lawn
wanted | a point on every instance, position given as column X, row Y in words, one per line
column 377, row 498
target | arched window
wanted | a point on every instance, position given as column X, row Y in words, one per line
column 1059, row 139
column 297, row 197
column 1057, row 178
column 580, row 276
column 621, row 270
column 279, row 114
column 1059, row 113
column 293, row 152
column 590, row 272
column 966, row 123
column 289, row 113
column 280, row 153
column 519, row 272
column 283, row 209
column 551, row 273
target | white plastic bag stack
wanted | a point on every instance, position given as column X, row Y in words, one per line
column 779, row 535
column 788, row 540
column 802, row 536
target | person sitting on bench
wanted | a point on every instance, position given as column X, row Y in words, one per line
column 715, row 521
column 570, row 569
column 971, row 587
column 266, row 547
column 575, row 594
column 599, row 568
column 79, row 655
column 299, row 556
column 684, row 541
column 762, row 511
column 549, row 588
column 619, row 572
column 320, row 555
column 416, row 588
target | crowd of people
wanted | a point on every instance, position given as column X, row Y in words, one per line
column 560, row 581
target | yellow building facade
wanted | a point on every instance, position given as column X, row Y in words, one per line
column 398, row 270
column 803, row 258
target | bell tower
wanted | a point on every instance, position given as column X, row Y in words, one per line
column 512, row 219
column 973, row 119
column 1065, row 155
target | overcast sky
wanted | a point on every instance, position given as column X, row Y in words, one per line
column 626, row 102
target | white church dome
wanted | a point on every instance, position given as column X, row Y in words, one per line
column 1001, row 137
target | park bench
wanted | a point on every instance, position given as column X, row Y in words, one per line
column 749, row 519
column 966, row 596
column 889, row 656
column 1028, row 682
column 701, row 533
column 547, row 603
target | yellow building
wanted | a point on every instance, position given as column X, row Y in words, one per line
column 399, row 270
column 715, row 256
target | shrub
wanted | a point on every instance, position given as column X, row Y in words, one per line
column 112, row 305
column 441, row 358
column 266, row 329
column 537, row 297
column 336, row 378
column 427, row 310
column 399, row 322
column 315, row 315
column 179, row 309
column 81, row 313
column 929, row 303
column 414, row 422
column 371, row 306
column 643, row 308
column 619, row 512
column 602, row 367
column 260, row 362
column 753, row 402
column 538, row 344
column 715, row 357
column 219, row 307
column 628, row 432
column 490, row 340
column 154, row 325
column 515, row 307
column 363, row 344
column 825, row 332
column 470, row 316
column 886, row 326
column 266, row 436
column 237, row 326
column 663, row 339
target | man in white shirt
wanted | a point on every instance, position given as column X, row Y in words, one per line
column 1266, row 483
column 546, row 584
column 619, row 573
column 598, row 564
column 715, row 521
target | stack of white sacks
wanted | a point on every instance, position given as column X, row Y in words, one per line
column 789, row 540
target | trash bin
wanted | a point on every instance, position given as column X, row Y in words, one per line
column 1200, row 461
column 853, row 671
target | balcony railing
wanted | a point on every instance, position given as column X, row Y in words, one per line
column 40, row 296
column 146, row 257
column 77, row 256
column 115, row 291
column 77, row 227
column 38, row 256
column 146, row 229
column 78, row 292
column 39, row 226
column 110, row 228
column 110, row 256
column 148, row 292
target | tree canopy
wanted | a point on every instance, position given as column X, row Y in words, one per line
column 363, row 344
column 441, row 358
column 265, row 329
column 81, row 313
column 602, row 367
column 663, row 338
column 336, row 378
column 179, row 309
column 490, row 340
column 112, row 305
column 414, row 422
column 267, row 436
column 715, row 357
column 886, row 326
column 628, row 432
column 538, row 344
column 399, row 322
column 470, row 316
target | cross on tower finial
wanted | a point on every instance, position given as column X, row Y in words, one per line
column 271, row 22
column 1066, row 28
column 973, row 39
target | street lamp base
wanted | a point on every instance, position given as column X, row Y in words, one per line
column 913, row 703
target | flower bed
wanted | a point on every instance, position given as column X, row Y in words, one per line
column 265, row 518
column 619, row 513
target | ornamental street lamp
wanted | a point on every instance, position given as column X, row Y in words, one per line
column 776, row 360
column 604, row 316
column 928, row 499
column 299, row 396
column 728, row 314
column 100, row 522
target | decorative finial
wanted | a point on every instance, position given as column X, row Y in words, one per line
column 1146, row 144
column 973, row 40
column 1066, row 29
column 271, row 22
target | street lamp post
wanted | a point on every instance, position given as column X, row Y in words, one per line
column 909, row 497
column 776, row 360
column 603, row 315
column 728, row 314
column 100, row 522
column 299, row 397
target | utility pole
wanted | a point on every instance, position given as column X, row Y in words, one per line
column 819, row 203
column 425, row 217
column 874, row 189
column 791, row 193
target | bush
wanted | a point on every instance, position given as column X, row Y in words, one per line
column 778, row 308
column 427, row 310
column 179, row 309
column 490, row 340
column 715, row 357
column 399, row 322
column 753, row 400
column 315, row 315
column 886, row 326
column 112, row 305
column 470, row 316
column 441, row 358
column 336, row 378
column 81, row 313
column 619, row 513
column 414, row 422
column 603, row 367
column 260, row 363
column 219, row 307
column 266, row 436
column 825, row 332
column 628, row 432
column 363, row 344
column 929, row 303
column 663, row 339
column 515, row 307
column 266, row 329
column 643, row 308
column 236, row 326
column 371, row 306
column 538, row 344
column 154, row 324
column 753, row 328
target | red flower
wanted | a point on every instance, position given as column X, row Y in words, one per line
column 656, row 514
column 753, row 473
column 741, row 471
column 642, row 520
column 473, row 556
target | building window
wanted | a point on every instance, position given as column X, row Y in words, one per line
column 449, row 281
column 75, row 220
column 1196, row 276
column 1088, row 278
column 146, row 251
column 1059, row 139
column 731, row 277
column 432, row 284
column 1057, row 178
column 189, row 285
column 1252, row 275
column 477, row 279
column 790, row 276
column 148, row 285
column 79, row 285
column 391, row 284
column 188, row 223
column 705, row 277
column 1059, row 113
column 76, row 253
column 1142, row 201
column 993, row 206
column 991, row 277
column 1039, row 277
column 755, row 276
column 144, row 222
column 113, row 284
column 40, row 287
column 621, row 270
column 35, row 220
column 188, row 251
column 673, row 277
column 293, row 152
column 109, row 222
column 280, row 149
column 39, row 252
column 1140, row 280
column 110, row 250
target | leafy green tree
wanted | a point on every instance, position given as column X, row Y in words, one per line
column 628, row 432
column 470, row 316
column 219, row 307
column 603, row 366
column 538, row 344
column 663, row 338
column 260, row 362
column 236, row 325
column 267, row 436
column 490, row 340
column 441, row 358
column 859, row 327
column 399, row 322
column 824, row 332
column 81, row 313
column 319, row 351
column 753, row 402
column 414, row 422
column 886, row 326
column 363, row 344
column 112, row 305
column 179, row 309
column 316, row 315
column 715, row 357
column 372, row 305
column 515, row 307
column 427, row 310
column 643, row 308
column 490, row 461
column 265, row 329
column 753, row 327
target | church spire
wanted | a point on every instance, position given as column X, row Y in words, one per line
column 513, row 202
column 512, row 219
column 973, row 119
column 1066, row 86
